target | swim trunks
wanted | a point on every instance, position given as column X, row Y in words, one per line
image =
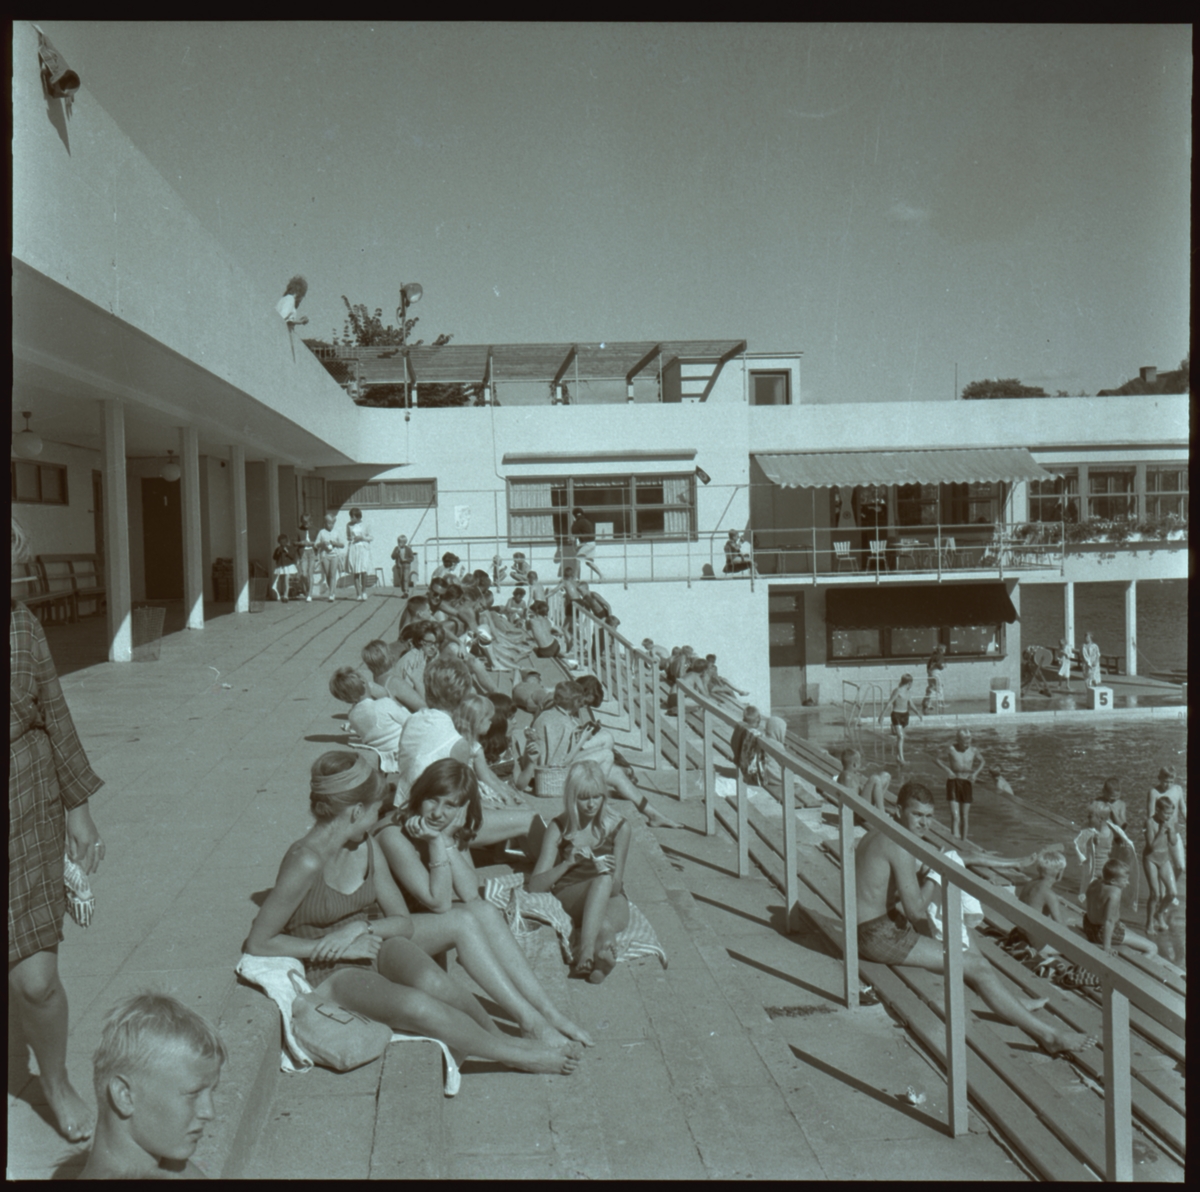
column 1095, row 932
column 550, row 651
column 958, row 790
column 900, row 719
column 885, row 941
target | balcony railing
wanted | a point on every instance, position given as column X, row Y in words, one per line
column 632, row 676
column 820, row 553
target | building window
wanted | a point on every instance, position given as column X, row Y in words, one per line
column 1166, row 492
column 627, row 507
column 977, row 504
column 1111, row 495
column 1056, row 499
column 38, row 484
column 917, row 504
column 771, row 388
column 912, row 643
column 380, row 494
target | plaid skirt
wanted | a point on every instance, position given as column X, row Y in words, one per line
column 37, row 840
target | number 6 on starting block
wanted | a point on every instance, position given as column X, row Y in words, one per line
column 1003, row 702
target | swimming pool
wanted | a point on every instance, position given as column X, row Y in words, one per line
column 1056, row 766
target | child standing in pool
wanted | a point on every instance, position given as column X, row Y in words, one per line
column 900, row 704
column 1094, row 845
column 962, row 765
column 1158, row 860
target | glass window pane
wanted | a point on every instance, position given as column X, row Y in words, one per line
column 769, row 388
column 25, row 481
column 914, row 641
column 974, row 639
column 855, row 643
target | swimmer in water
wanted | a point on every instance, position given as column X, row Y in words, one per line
column 1001, row 783
column 962, row 765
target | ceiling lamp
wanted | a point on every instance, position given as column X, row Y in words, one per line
column 171, row 470
column 27, row 445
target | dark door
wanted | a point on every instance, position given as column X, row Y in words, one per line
column 162, row 538
column 98, row 517
column 785, row 627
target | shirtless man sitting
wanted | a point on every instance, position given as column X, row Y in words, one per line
column 854, row 778
column 963, row 764
column 886, row 875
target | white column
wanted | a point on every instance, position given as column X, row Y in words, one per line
column 118, row 589
column 193, row 552
column 272, row 501
column 241, row 554
column 1131, row 628
column 1069, row 613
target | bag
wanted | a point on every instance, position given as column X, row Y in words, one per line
column 335, row 1037
column 81, row 902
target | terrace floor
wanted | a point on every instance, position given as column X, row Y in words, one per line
column 736, row 1060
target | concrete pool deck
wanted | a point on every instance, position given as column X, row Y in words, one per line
column 737, row 1060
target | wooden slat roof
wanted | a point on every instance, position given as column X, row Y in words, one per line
column 525, row 362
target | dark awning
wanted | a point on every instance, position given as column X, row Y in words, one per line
column 919, row 606
column 830, row 469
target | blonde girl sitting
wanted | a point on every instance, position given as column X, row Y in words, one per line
column 582, row 863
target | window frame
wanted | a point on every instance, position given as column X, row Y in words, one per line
column 39, row 466
column 1156, row 496
column 785, row 373
column 1064, row 494
column 1128, row 495
column 944, row 637
column 572, row 498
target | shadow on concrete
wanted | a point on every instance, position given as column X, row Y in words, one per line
column 674, row 852
column 889, row 1099
column 815, row 990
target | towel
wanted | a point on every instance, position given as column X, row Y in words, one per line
column 970, row 907
column 270, row 974
column 507, row 892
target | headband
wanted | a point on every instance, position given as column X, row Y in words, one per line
column 343, row 780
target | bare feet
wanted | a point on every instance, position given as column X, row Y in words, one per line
column 656, row 819
column 76, row 1121
column 568, row 1028
column 1062, row 1043
column 550, row 1063
column 542, row 1032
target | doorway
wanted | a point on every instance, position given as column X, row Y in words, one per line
column 162, row 538
column 785, row 628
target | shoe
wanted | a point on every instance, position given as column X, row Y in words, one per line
column 308, row 600
column 332, row 599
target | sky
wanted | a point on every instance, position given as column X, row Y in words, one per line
column 894, row 201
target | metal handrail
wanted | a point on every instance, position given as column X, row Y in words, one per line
column 1120, row 985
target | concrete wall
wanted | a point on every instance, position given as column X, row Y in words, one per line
column 91, row 213
column 464, row 449
column 63, row 529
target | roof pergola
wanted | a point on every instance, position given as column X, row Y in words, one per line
column 552, row 364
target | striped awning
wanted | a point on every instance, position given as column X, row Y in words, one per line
column 831, row 469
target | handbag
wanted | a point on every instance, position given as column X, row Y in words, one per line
column 335, row 1037
column 81, row 902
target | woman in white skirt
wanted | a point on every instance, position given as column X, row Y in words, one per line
column 358, row 553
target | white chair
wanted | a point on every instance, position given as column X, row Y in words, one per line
column 906, row 548
column 842, row 555
column 949, row 552
column 878, row 556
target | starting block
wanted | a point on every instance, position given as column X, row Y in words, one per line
column 1003, row 702
column 1100, row 699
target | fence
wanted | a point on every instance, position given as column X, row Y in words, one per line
column 796, row 553
column 632, row 677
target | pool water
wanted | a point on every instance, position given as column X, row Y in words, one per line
column 1057, row 767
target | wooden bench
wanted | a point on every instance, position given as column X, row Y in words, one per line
column 78, row 574
column 29, row 586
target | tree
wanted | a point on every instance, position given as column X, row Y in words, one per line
column 364, row 330
column 1009, row 387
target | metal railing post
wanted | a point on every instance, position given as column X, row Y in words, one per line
column 681, row 727
column 658, row 718
column 956, row 1016
column 849, row 907
column 710, row 778
column 743, row 825
column 1118, row 1128
column 630, row 659
column 643, row 715
column 791, row 861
